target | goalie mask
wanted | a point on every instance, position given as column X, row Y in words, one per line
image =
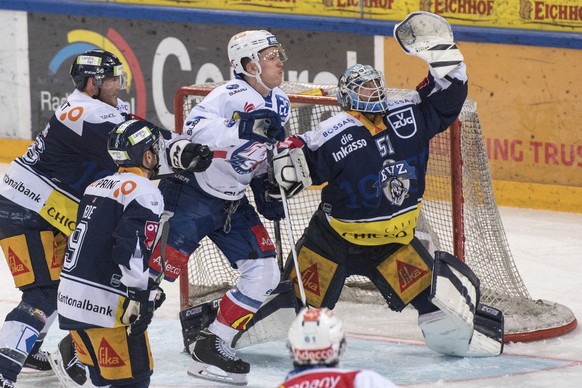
column 316, row 337
column 362, row 88
column 98, row 64
column 129, row 141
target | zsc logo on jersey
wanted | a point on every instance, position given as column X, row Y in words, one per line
column 403, row 123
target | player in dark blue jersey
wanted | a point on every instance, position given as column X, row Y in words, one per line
column 373, row 156
column 106, row 298
column 38, row 203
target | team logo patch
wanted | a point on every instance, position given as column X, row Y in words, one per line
column 246, row 158
column 403, row 123
column 249, row 107
column 394, row 180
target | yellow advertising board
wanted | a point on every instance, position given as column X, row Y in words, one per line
column 549, row 15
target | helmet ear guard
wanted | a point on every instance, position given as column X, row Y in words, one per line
column 98, row 64
column 362, row 88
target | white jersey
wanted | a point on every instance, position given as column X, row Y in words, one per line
column 236, row 161
column 335, row 377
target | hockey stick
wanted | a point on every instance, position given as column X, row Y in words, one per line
column 276, row 223
column 291, row 237
column 163, row 239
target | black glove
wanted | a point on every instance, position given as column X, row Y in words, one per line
column 262, row 125
column 266, row 206
column 184, row 155
column 139, row 306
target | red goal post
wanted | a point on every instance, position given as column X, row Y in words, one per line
column 459, row 214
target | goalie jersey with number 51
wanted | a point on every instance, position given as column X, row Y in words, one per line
column 376, row 170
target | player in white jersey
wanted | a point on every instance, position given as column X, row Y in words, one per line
column 317, row 342
column 373, row 156
column 237, row 121
column 106, row 298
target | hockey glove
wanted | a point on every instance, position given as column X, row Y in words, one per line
column 269, row 208
column 291, row 172
column 184, row 155
column 262, row 125
column 429, row 37
column 139, row 307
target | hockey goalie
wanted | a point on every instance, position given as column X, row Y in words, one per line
column 373, row 156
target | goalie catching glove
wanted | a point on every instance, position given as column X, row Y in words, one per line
column 291, row 172
column 262, row 125
column 429, row 37
column 139, row 307
column 186, row 156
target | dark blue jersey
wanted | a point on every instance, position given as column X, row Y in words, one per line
column 375, row 171
column 109, row 250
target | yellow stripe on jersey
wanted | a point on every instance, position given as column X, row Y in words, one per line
column 60, row 211
column 399, row 229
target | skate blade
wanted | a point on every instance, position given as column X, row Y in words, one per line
column 212, row 373
column 55, row 360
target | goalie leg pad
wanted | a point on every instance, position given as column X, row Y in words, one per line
column 455, row 288
column 487, row 337
column 455, row 291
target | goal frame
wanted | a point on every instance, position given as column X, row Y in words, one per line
column 457, row 200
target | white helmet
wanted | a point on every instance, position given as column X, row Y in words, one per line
column 316, row 337
column 248, row 44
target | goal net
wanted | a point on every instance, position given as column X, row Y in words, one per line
column 459, row 215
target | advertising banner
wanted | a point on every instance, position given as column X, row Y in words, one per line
column 161, row 57
column 551, row 15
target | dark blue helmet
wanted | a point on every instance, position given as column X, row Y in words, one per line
column 128, row 142
column 98, row 64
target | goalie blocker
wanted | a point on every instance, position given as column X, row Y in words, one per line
column 270, row 322
column 462, row 326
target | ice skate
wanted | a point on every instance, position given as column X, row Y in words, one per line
column 38, row 364
column 5, row 383
column 69, row 370
column 214, row 360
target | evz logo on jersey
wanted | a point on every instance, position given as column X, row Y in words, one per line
column 403, row 123
column 394, row 179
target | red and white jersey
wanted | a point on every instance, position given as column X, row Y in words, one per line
column 236, row 161
column 326, row 377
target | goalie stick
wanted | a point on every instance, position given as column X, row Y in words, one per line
column 276, row 223
column 291, row 237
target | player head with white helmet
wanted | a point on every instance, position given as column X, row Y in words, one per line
column 362, row 88
column 100, row 74
column 136, row 143
column 316, row 337
column 258, row 57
